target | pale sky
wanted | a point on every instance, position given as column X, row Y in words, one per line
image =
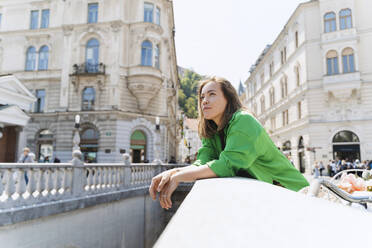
column 225, row 37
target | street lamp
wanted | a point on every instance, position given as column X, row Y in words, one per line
column 76, row 139
column 157, row 140
column 157, row 123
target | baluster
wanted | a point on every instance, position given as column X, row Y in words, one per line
column 109, row 173
column 94, row 179
column 88, row 176
column 105, row 179
column 48, row 183
column 10, row 184
column 62, row 189
column 2, row 181
column 31, row 186
column 68, row 182
column 100, row 178
column 42, row 182
column 59, row 173
column 118, row 182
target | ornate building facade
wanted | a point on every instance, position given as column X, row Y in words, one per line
column 113, row 62
column 312, row 88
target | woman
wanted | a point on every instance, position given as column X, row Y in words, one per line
column 234, row 144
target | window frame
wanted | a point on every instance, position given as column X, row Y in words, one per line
column 40, row 101
column 350, row 60
column 34, row 20
column 86, row 104
column 33, row 61
column 331, row 22
column 332, row 63
column 92, row 67
column 345, row 18
column 42, row 60
column 148, row 13
column 146, row 53
column 93, row 9
column 45, row 21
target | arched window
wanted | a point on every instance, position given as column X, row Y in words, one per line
column 329, row 22
column 345, row 19
column 262, row 104
column 146, row 53
column 89, row 96
column 31, row 59
column 332, row 63
column 272, row 96
column 284, row 86
column 348, row 60
column 138, row 146
column 43, row 58
column 345, row 136
column 297, row 74
column 89, row 144
column 92, row 56
column 157, row 59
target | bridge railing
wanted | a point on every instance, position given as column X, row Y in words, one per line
column 28, row 184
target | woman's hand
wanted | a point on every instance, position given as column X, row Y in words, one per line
column 166, row 193
column 158, row 182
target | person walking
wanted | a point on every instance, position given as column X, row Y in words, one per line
column 26, row 157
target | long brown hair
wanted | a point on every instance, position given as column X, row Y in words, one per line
column 207, row 128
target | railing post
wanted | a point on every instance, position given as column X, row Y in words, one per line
column 127, row 170
column 77, row 175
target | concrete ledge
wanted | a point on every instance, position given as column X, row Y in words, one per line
column 241, row 212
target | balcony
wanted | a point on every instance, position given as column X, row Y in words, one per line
column 88, row 69
column 340, row 35
column 342, row 85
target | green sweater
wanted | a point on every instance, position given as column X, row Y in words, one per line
column 249, row 149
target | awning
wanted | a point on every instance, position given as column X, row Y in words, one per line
column 12, row 115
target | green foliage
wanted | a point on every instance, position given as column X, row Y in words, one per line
column 187, row 95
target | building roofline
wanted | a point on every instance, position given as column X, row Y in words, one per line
column 280, row 35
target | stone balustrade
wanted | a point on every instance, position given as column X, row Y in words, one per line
column 30, row 184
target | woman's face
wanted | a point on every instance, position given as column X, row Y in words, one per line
column 213, row 102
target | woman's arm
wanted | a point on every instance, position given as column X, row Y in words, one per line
column 187, row 174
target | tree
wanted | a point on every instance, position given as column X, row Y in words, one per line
column 187, row 95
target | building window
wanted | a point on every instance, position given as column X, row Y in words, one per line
column 34, row 19
column 89, row 96
column 43, row 58
column 157, row 19
column 92, row 56
column 255, row 108
column 262, row 78
column 45, row 18
column 146, row 53
column 271, row 68
column 157, row 55
column 92, row 13
column 272, row 96
column 39, row 105
column 273, row 123
column 296, row 39
column 254, row 87
column 297, row 74
column 329, row 22
column 148, row 12
column 299, row 110
column 332, row 63
column 262, row 104
column 89, row 144
column 284, row 86
column 285, row 117
column 283, row 56
column 31, row 59
column 348, row 60
column 345, row 19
